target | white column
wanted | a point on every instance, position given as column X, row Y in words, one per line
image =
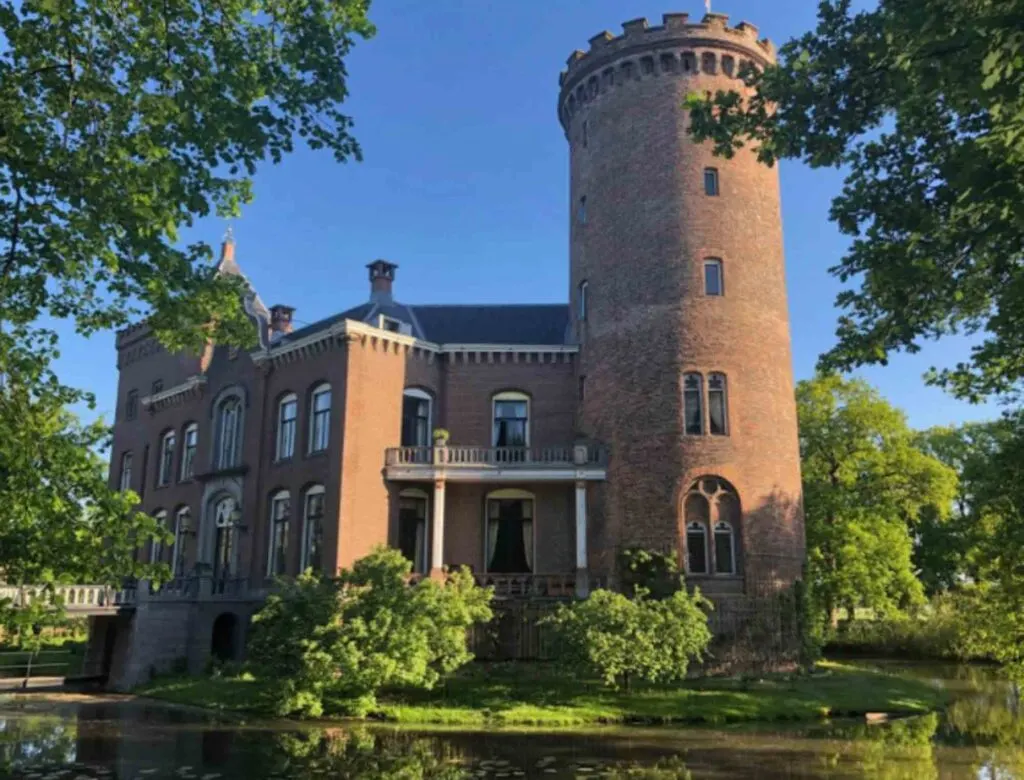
column 582, row 574
column 437, row 530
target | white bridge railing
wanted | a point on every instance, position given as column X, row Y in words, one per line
column 74, row 598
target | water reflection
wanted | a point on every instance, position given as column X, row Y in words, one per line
column 981, row 736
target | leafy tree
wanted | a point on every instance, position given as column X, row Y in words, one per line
column 922, row 103
column 866, row 482
column 121, row 122
column 619, row 639
column 655, row 574
column 349, row 638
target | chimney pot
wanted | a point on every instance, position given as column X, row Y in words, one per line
column 382, row 277
column 281, row 319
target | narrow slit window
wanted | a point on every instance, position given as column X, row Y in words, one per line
column 583, row 301
column 581, row 213
column 713, row 277
column 711, row 182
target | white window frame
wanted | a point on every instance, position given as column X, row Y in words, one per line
column 156, row 547
column 182, row 518
column 124, row 479
column 697, row 525
column 510, row 494
column 281, row 496
column 188, row 468
column 581, row 312
column 320, row 389
column 280, row 452
column 421, row 566
column 722, row 524
column 423, row 395
column 312, row 490
column 510, row 395
column 714, row 262
column 229, row 445
column 165, row 468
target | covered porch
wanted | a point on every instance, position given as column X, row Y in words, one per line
column 517, row 520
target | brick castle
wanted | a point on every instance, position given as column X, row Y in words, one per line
column 655, row 409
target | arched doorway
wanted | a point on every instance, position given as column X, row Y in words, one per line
column 222, row 643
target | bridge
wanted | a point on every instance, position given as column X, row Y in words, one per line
column 77, row 600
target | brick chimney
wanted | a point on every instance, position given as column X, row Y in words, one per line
column 382, row 276
column 280, row 319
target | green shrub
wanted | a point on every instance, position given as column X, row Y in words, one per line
column 347, row 638
column 656, row 574
column 935, row 632
column 619, row 639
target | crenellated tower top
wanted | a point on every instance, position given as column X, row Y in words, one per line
column 674, row 46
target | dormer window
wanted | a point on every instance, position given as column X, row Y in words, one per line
column 393, row 325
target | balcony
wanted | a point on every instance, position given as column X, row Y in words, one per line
column 495, row 464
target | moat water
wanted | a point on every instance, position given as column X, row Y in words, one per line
column 78, row 738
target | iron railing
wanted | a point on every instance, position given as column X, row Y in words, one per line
column 502, row 457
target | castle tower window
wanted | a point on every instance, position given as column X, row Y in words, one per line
column 728, row 65
column 165, row 469
column 693, row 404
column 697, row 514
column 287, row 417
column 131, row 405
column 313, row 529
column 586, row 134
column 582, row 301
column 280, row 516
column 607, row 79
column 713, row 283
column 571, row 105
column 725, row 554
column 592, row 88
column 413, row 506
column 416, row 409
column 581, row 212
column 647, row 65
column 627, row 71
column 668, row 63
column 718, row 406
column 583, row 387
column 708, row 63
column 189, row 444
column 511, row 419
column 125, row 480
column 156, row 547
column 711, row 182
column 581, row 95
column 689, row 62
column 225, row 515
column 320, row 418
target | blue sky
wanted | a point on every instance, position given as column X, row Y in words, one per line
column 465, row 180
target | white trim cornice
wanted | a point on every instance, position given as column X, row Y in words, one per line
column 349, row 330
column 191, row 388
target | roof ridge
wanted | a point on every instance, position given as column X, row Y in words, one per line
column 482, row 305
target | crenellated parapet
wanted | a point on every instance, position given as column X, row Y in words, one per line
column 675, row 47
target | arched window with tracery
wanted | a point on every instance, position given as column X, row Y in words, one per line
column 229, row 432
column 224, row 518
column 711, row 516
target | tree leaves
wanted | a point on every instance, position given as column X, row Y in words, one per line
column 922, row 102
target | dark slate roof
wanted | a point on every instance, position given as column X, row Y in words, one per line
column 540, row 324
column 534, row 324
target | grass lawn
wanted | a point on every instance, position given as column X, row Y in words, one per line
column 539, row 694
column 53, row 661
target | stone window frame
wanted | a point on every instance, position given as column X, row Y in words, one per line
column 279, row 427
column 510, row 395
column 582, row 300
column 182, row 526
column 713, row 490
column 229, row 395
column 278, row 498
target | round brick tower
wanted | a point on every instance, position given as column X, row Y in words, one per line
column 679, row 301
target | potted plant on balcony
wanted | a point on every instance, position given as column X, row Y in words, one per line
column 441, row 437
